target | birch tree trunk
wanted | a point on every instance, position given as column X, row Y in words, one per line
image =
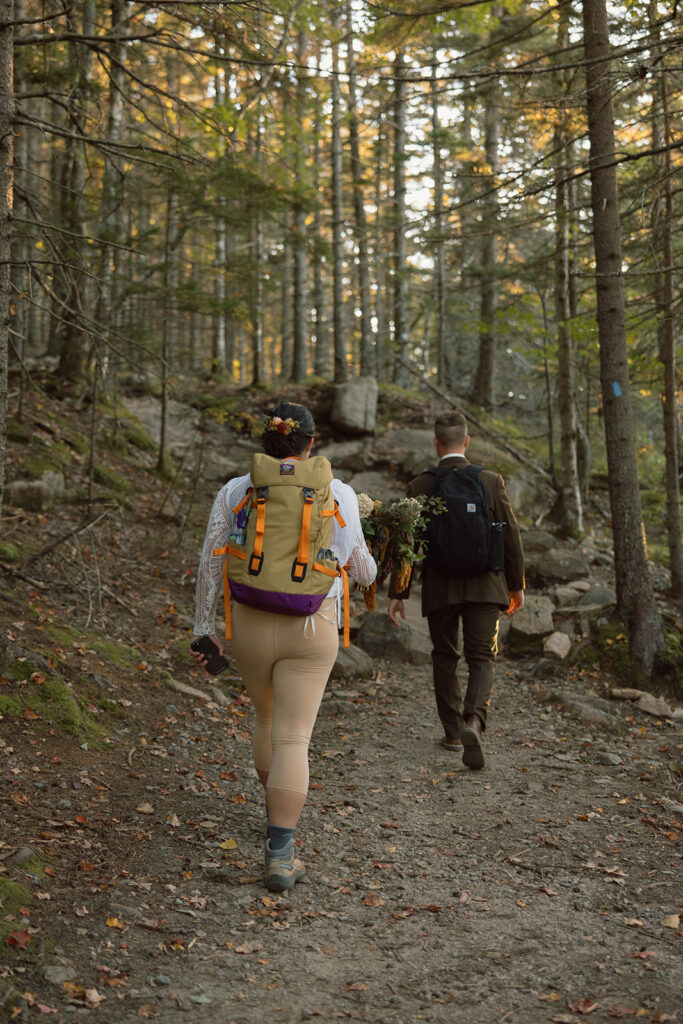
column 635, row 597
column 571, row 503
column 368, row 367
column 6, row 171
column 340, row 367
column 401, row 336
column 381, row 316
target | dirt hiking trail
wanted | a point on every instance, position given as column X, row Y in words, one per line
column 544, row 888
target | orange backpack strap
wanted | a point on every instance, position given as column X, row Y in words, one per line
column 256, row 560
column 226, row 587
column 334, row 512
column 341, row 571
column 345, row 585
column 300, row 563
column 226, row 602
column 243, row 503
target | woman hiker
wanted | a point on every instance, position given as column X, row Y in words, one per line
column 284, row 657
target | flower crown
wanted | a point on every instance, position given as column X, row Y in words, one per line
column 288, row 426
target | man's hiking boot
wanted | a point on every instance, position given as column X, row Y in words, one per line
column 472, row 755
column 450, row 743
column 283, row 870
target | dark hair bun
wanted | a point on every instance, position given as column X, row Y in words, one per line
column 300, row 413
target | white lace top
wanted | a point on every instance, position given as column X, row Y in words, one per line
column 347, row 543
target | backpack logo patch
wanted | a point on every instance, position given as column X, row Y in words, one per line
column 286, row 469
column 471, row 507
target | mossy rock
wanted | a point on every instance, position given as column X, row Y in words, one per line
column 54, row 456
column 111, row 479
column 9, row 552
column 31, row 691
column 139, row 438
column 17, row 431
column 13, row 895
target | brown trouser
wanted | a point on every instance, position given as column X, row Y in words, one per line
column 480, row 646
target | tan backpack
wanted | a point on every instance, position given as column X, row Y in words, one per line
column 278, row 557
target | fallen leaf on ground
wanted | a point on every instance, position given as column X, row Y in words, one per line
column 145, row 808
column 113, row 922
column 633, row 922
column 249, row 947
column 585, row 1005
column 18, row 939
column 373, row 899
column 229, row 844
column 358, row 986
column 671, row 921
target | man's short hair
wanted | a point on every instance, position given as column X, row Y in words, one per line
column 450, row 428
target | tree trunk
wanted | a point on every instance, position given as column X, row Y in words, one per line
column 287, row 281
column 570, row 490
column 368, row 367
column 321, row 358
column 484, row 388
column 662, row 220
column 111, row 221
column 21, row 240
column 439, row 246
column 6, row 172
column 73, row 343
column 299, row 354
column 340, row 355
column 383, row 370
column 635, row 597
column 401, row 337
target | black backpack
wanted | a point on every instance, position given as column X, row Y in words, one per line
column 462, row 541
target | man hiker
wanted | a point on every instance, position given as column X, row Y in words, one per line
column 473, row 569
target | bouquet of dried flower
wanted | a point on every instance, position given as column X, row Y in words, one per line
column 393, row 531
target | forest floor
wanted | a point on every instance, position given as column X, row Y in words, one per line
column 544, row 888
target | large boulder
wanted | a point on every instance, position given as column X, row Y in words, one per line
column 557, row 565
column 352, row 663
column 530, row 625
column 348, row 455
column 354, row 409
column 32, row 495
column 535, row 618
column 598, row 598
column 381, row 639
column 376, row 485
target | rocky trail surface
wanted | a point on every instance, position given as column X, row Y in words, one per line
column 546, row 887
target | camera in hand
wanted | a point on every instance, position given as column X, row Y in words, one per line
column 215, row 662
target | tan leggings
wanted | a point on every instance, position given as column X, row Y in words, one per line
column 285, row 662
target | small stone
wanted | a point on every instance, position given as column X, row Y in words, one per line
column 57, row 974
column 605, row 757
column 557, row 645
column 161, row 979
